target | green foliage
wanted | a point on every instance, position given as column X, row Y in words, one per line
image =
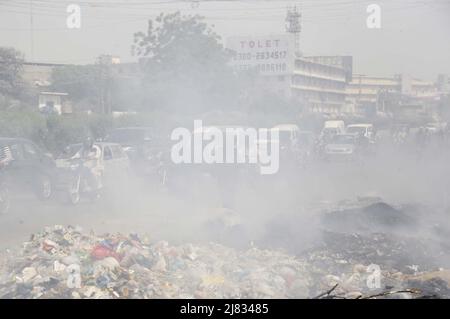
column 31, row 125
column 53, row 132
column 186, row 68
column 97, row 88
column 11, row 62
column 14, row 92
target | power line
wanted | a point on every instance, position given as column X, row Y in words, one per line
column 257, row 16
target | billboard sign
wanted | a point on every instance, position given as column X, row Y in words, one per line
column 269, row 55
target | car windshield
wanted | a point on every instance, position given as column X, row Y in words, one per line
column 343, row 139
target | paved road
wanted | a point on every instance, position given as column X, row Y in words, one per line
column 151, row 213
column 181, row 216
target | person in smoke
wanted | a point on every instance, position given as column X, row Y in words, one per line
column 90, row 155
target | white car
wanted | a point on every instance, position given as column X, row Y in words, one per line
column 341, row 148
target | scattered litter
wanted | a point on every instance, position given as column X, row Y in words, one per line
column 64, row 262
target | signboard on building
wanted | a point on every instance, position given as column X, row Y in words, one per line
column 269, row 55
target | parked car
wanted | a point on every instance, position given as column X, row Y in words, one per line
column 27, row 167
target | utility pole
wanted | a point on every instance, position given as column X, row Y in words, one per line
column 105, row 76
column 293, row 26
column 31, row 31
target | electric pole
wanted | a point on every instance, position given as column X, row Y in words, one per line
column 293, row 26
column 31, row 31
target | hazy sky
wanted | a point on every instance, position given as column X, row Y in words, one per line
column 414, row 37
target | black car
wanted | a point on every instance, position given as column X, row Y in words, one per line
column 25, row 166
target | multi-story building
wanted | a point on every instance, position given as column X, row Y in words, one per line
column 443, row 83
column 365, row 93
column 320, row 87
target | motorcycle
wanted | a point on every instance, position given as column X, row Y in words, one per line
column 81, row 182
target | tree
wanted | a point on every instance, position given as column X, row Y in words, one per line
column 185, row 67
column 97, row 87
column 15, row 94
column 11, row 62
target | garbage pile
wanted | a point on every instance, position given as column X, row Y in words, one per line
column 356, row 242
column 353, row 262
column 64, row 262
column 368, row 252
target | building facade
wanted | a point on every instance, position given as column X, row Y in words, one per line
column 378, row 94
column 319, row 87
